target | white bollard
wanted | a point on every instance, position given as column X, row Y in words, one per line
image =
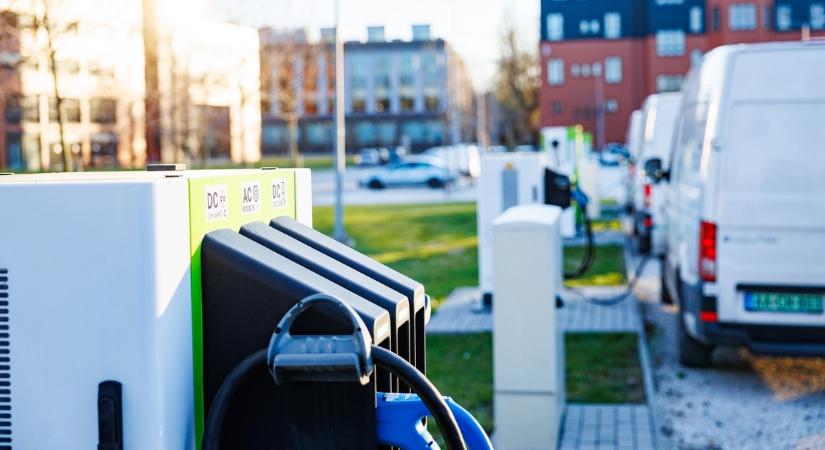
column 528, row 347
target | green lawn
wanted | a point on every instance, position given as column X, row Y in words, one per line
column 461, row 366
column 311, row 161
column 600, row 368
column 433, row 244
column 608, row 267
column 603, row 368
column 437, row 244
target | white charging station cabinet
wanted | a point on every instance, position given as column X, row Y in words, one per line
column 528, row 346
column 96, row 285
column 507, row 180
column 99, row 286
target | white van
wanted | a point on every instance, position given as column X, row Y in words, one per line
column 633, row 140
column 746, row 213
column 660, row 111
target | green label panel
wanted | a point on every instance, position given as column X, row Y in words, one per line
column 229, row 200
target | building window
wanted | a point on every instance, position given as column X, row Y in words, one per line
column 575, row 70
column 669, row 83
column 613, row 70
column 612, row 25
column 432, row 102
column 104, row 110
column 696, row 57
column 31, row 109
column 669, row 2
column 70, row 109
column 742, row 17
column 557, row 107
column 586, row 70
column 783, row 17
column 716, row 19
column 612, row 105
column 555, row 27
column 359, row 105
column 817, row 16
column 555, row 71
column 697, row 19
column 13, row 109
column 670, row 43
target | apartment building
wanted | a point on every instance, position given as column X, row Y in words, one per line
column 601, row 58
column 207, row 73
column 414, row 93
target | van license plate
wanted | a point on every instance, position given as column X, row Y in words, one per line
column 783, row 303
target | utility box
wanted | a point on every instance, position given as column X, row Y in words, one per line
column 528, row 346
column 100, row 280
column 507, row 180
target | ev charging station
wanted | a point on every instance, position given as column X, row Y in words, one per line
column 528, row 344
column 130, row 302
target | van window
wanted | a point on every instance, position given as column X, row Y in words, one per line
column 689, row 142
column 775, row 148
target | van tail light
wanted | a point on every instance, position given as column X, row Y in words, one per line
column 707, row 251
column 648, row 193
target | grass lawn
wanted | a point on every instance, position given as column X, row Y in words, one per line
column 603, row 368
column 600, row 368
column 433, row 244
column 437, row 244
column 313, row 161
column 461, row 366
column 608, row 267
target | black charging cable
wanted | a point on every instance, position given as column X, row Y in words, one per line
column 590, row 245
column 220, row 404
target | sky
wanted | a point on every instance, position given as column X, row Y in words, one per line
column 472, row 27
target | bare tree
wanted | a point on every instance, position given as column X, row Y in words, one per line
column 517, row 86
column 284, row 63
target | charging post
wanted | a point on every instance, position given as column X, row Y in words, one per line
column 528, row 347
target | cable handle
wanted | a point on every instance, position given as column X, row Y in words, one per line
column 320, row 357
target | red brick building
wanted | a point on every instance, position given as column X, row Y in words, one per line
column 601, row 58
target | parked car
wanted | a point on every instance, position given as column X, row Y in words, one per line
column 633, row 140
column 368, row 157
column 460, row 159
column 746, row 209
column 660, row 111
column 412, row 171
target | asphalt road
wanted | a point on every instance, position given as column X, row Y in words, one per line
column 323, row 191
column 743, row 402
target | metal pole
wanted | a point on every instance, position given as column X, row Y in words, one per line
column 340, row 130
column 599, row 108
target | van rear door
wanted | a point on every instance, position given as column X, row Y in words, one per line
column 771, row 222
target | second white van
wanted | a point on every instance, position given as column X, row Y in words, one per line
column 660, row 112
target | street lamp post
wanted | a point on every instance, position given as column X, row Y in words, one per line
column 598, row 75
column 339, row 233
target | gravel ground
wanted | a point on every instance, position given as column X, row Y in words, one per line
column 743, row 402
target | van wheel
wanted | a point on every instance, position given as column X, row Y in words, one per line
column 667, row 299
column 375, row 184
column 692, row 353
column 435, row 183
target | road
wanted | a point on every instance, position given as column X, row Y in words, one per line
column 743, row 402
column 323, row 191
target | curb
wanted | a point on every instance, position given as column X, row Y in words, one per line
column 644, row 350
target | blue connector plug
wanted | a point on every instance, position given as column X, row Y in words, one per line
column 398, row 420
